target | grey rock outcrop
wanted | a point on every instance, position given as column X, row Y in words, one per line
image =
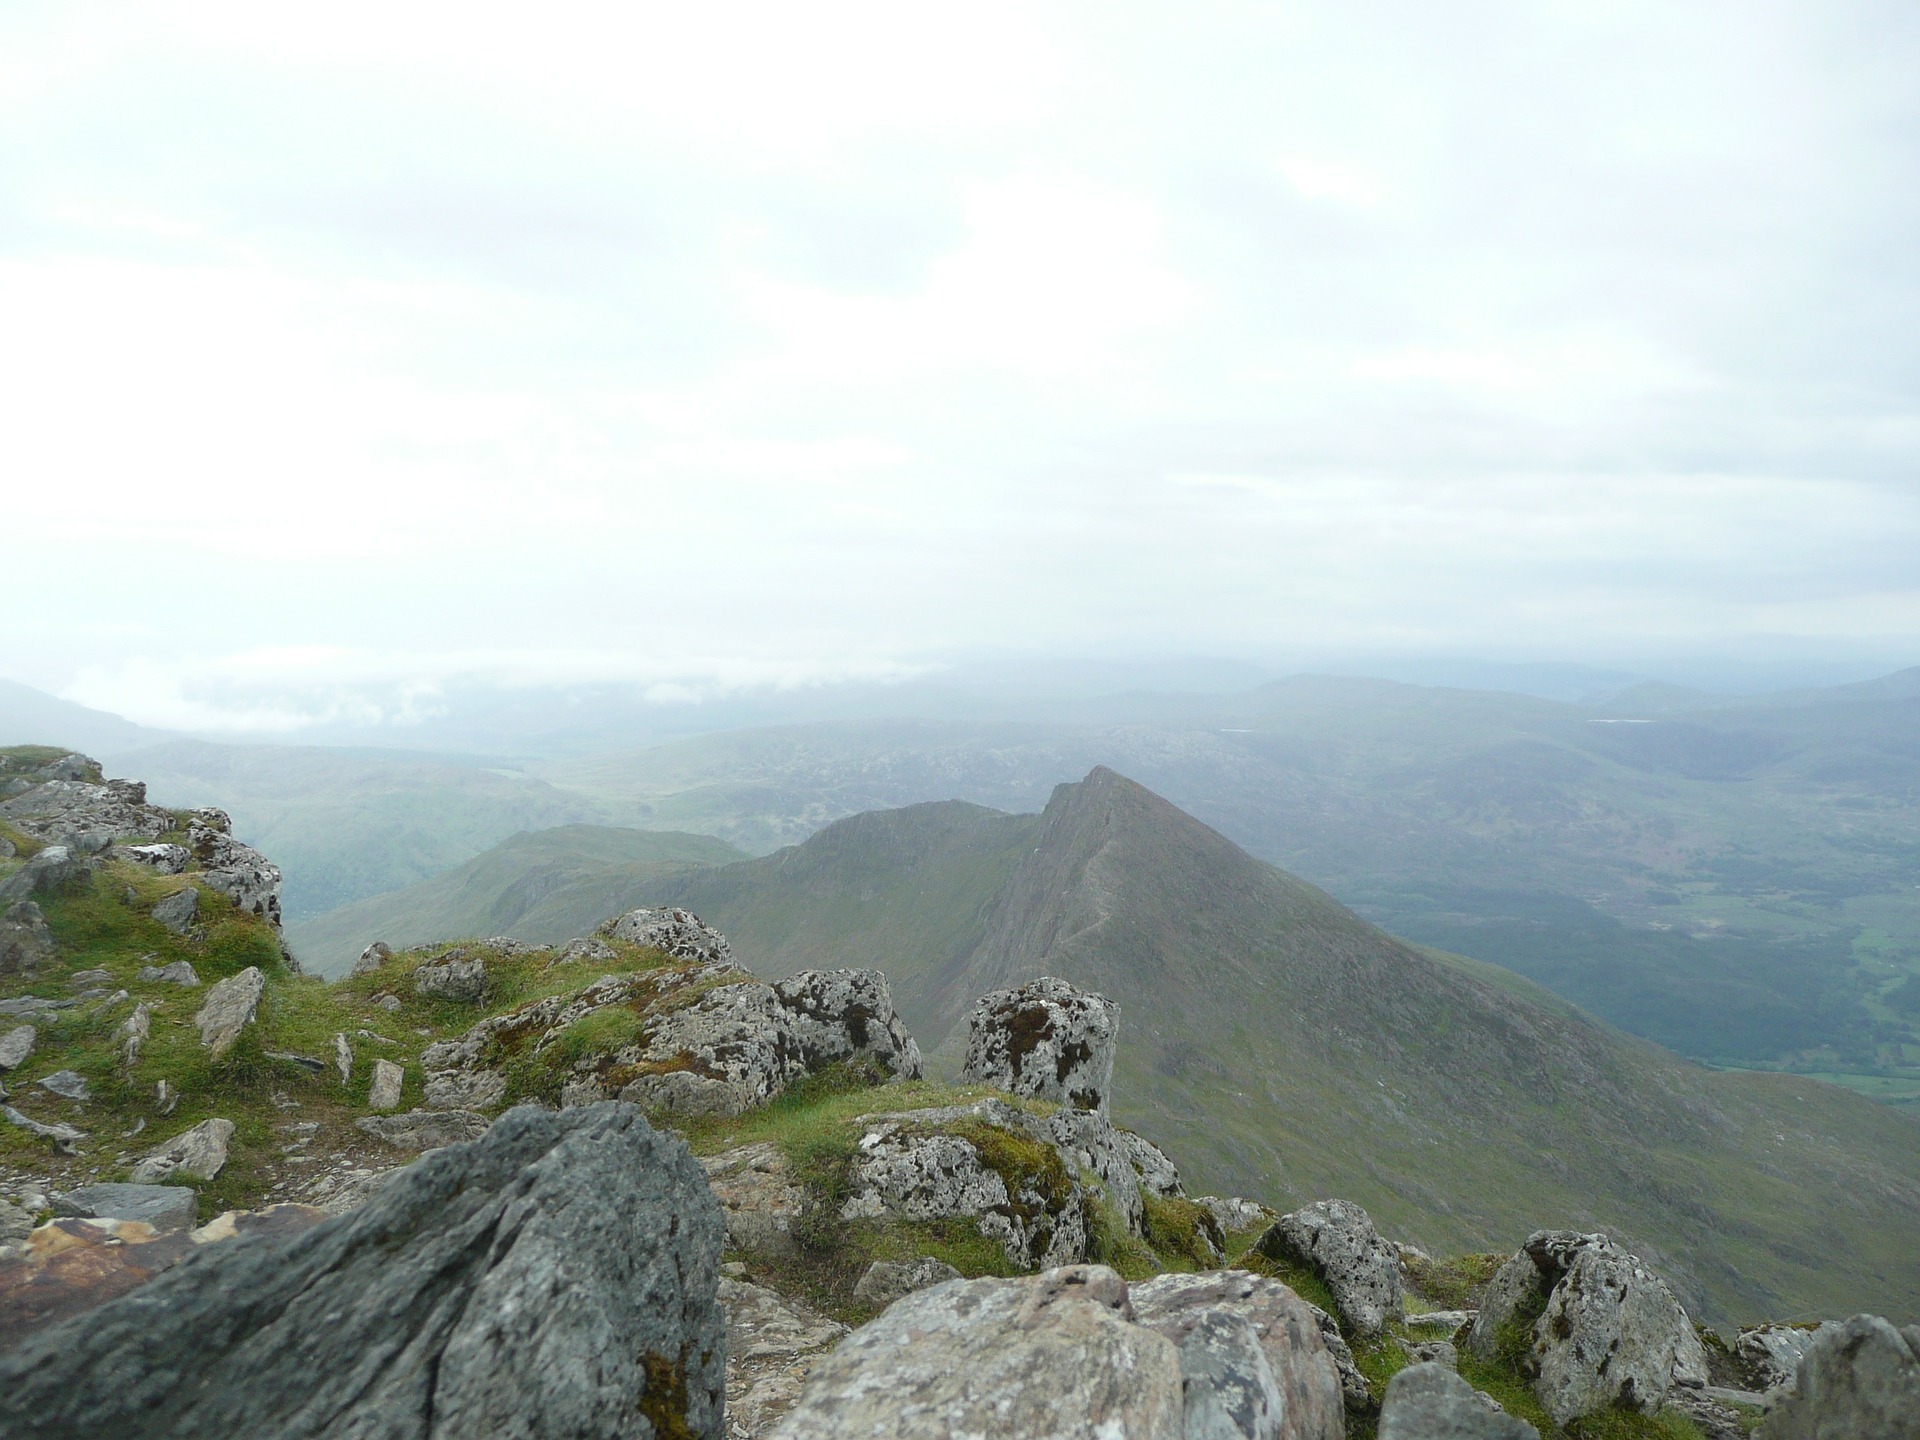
column 1337, row 1241
column 200, row 1152
column 383, row 1091
column 179, row 972
column 759, row 1197
column 678, row 933
column 1306, row 1379
column 1045, row 1039
column 67, row 1084
column 1053, row 1355
column 556, row 1278
column 1770, row 1354
column 49, row 870
column 25, row 941
column 1227, row 1387
column 465, row 1089
column 424, row 1129
column 164, row 1207
column 371, row 959
column 1152, row 1170
column 167, row 859
column 229, row 1008
column 239, row 872
column 1612, row 1333
column 886, row 1281
column 1235, row 1214
column 80, row 804
column 454, row 976
column 16, row 1045
column 1431, row 1402
column 773, row 1342
column 1859, row 1379
column 179, row 910
column 847, row 1015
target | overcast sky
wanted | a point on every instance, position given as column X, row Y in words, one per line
column 350, row 348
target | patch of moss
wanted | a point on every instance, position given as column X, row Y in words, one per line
column 1026, row 1166
column 1452, row 1284
column 1110, row 1242
column 1185, row 1236
column 664, row 1400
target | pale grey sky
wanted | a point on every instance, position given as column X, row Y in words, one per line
column 350, row 349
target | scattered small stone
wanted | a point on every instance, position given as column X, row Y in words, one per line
column 376, row 1037
column 133, row 1033
column 82, row 978
column 343, row 1057
column 67, row 1084
column 178, row 973
column 388, row 1001
column 305, row 1062
column 384, row 1092
column 16, row 1045
column 64, row 1136
column 166, row 1097
column 179, row 910
column 230, row 1006
column 454, row 977
column 200, row 1152
column 34, row 1005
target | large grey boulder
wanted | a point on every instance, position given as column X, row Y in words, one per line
column 54, row 868
column 164, row 1207
column 179, row 910
column 1431, row 1402
column 1306, row 1381
column 554, row 1279
column 1858, row 1380
column 678, row 933
column 1337, row 1241
column 229, row 1008
column 200, row 1153
column 25, row 941
column 1611, row 1334
column 78, row 803
column 1052, row 1355
column 1045, row 1039
column 453, row 976
column 847, row 1015
column 1770, row 1354
column 371, row 959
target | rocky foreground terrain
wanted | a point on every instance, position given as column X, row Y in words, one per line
column 623, row 1187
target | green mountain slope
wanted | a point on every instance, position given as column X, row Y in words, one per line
column 543, row 885
column 1279, row 1046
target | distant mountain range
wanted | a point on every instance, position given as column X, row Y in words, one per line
column 1283, row 1047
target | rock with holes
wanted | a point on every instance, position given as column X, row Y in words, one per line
column 199, row 1153
column 678, row 933
column 1337, row 1241
column 1287, row 1329
column 1053, row 1355
column 229, row 1008
column 1152, row 1170
column 840, row 1015
column 759, row 1197
column 1859, row 1379
column 1045, row 1039
column 1431, row 1402
column 1611, row 1333
column 453, row 976
column 1092, row 1145
column 25, row 941
column 556, row 1278
column 982, row 1163
column 178, row 911
column 885, row 1281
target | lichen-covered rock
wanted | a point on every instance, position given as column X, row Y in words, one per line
column 1859, row 1379
column 1431, row 1402
column 200, row 1153
column 1227, row 1387
column 1152, row 1170
column 229, row 1008
column 72, row 807
column 424, row 1129
column 454, row 976
column 847, row 1015
column 465, row 1089
column 178, row 911
column 885, row 1281
column 239, row 872
column 1092, row 1144
column 1304, row 1372
column 1612, row 1333
column 1236, row 1214
column 773, row 1342
column 167, row 859
column 179, row 972
column 1052, row 1355
column 678, row 933
column 371, row 959
column 556, row 1278
column 67, row 1084
column 1336, row 1239
column 1045, row 1039
column 758, row 1196
column 1770, row 1354
column 25, row 942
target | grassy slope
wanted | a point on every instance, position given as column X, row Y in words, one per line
column 1281, row 1048
column 542, row 885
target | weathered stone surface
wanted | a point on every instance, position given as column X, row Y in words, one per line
column 67, row 1084
column 847, row 1015
column 229, row 1008
column 679, row 933
column 465, row 1089
column 383, row 1093
column 178, row 973
column 71, row 1265
column 1152, row 1170
column 555, row 1279
column 343, row 1057
column 79, row 805
column 1770, row 1354
column 200, row 1153
column 1091, row 1143
column 758, row 1197
column 1431, row 1402
column 167, row 859
column 63, row 1136
column 1045, row 1039
column 1304, row 1372
column 16, row 1045
column 371, row 959
column 1858, row 1380
column 587, row 949
column 1050, row 1355
column 179, row 910
column 424, row 1129
column 25, row 941
column 309, row 1063
column 164, row 1207
column 238, row 871
column 1236, row 1214
column 1228, row 1390
column 1336, row 1239
column 772, row 1344
column 15, row 1225
column 982, row 1163
column 885, row 1281
column 84, row 979
column 55, row 868
column 455, row 976
column 1612, row 1332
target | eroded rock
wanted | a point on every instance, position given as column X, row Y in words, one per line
column 424, row 1129
column 229, row 1008
column 1859, row 1379
column 1045, row 1039
column 773, row 1343
column 847, row 1015
column 25, row 941
column 758, row 1197
column 179, row 972
column 383, row 1092
column 455, row 976
column 1431, row 1402
column 678, row 933
column 200, row 1153
column 179, row 910
column 54, row 868
column 371, row 959
column 1336, row 1239
column 885, row 1281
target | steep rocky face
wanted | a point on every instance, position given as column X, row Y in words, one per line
column 555, row 1278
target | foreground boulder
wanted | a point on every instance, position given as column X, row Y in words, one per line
column 1337, row 1241
column 1053, row 1355
column 1044, row 1039
column 555, row 1278
column 1858, row 1380
column 1611, row 1333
